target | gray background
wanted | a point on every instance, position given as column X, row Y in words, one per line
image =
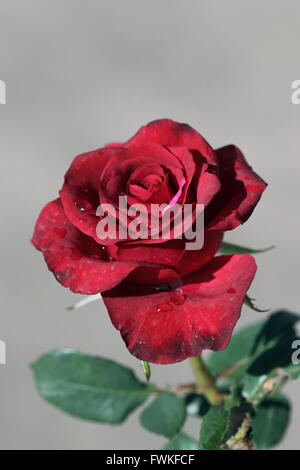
column 83, row 73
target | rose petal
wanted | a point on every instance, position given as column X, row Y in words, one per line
column 80, row 192
column 173, row 134
column 167, row 327
column 157, row 262
column 206, row 182
column 192, row 260
column 240, row 191
column 148, row 274
column 172, row 253
column 77, row 261
column 122, row 166
column 124, row 163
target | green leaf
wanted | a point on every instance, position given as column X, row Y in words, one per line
column 165, row 415
column 232, row 249
column 233, row 397
column 237, row 353
column 267, row 341
column 268, row 369
column 250, row 303
column 271, row 421
column 181, row 442
column 89, row 387
column 272, row 358
column 213, row 428
column 196, row 405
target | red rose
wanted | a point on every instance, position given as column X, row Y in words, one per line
column 169, row 303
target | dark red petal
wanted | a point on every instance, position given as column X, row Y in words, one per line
column 173, row 134
column 240, row 191
column 171, row 253
column 124, row 162
column 157, row 262
column 152, row 275
column 80, row 192
column 167, row 327
column 77, row 261
column 206, row 182
column 145, row 180
column 163, row 253
column 192, row 260
column 187, row 160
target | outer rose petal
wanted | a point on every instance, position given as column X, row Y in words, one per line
column 173, row 134
column 172, row 253
column 241, row 190
column 80, row 192
column 76, row 260
column 192, row 260
column 167, row 327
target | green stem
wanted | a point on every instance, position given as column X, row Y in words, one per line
column 205, row 381
column 241, row 439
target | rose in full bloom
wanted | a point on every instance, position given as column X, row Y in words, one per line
column 169, row 303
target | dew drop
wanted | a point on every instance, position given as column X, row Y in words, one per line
column 83, row 205
column 177, row 298
column 164, row 307
column 231, row 291
column 61, row 232
column 82, row 220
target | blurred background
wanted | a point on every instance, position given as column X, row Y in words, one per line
column 81, row 73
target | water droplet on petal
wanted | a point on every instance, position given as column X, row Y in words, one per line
column 231, row 291
column 82, row 220
column 177, row 298
column 164, row 307
column 83, row 205
column 61, row 232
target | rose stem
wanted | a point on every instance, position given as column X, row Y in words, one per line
column 205, row 381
